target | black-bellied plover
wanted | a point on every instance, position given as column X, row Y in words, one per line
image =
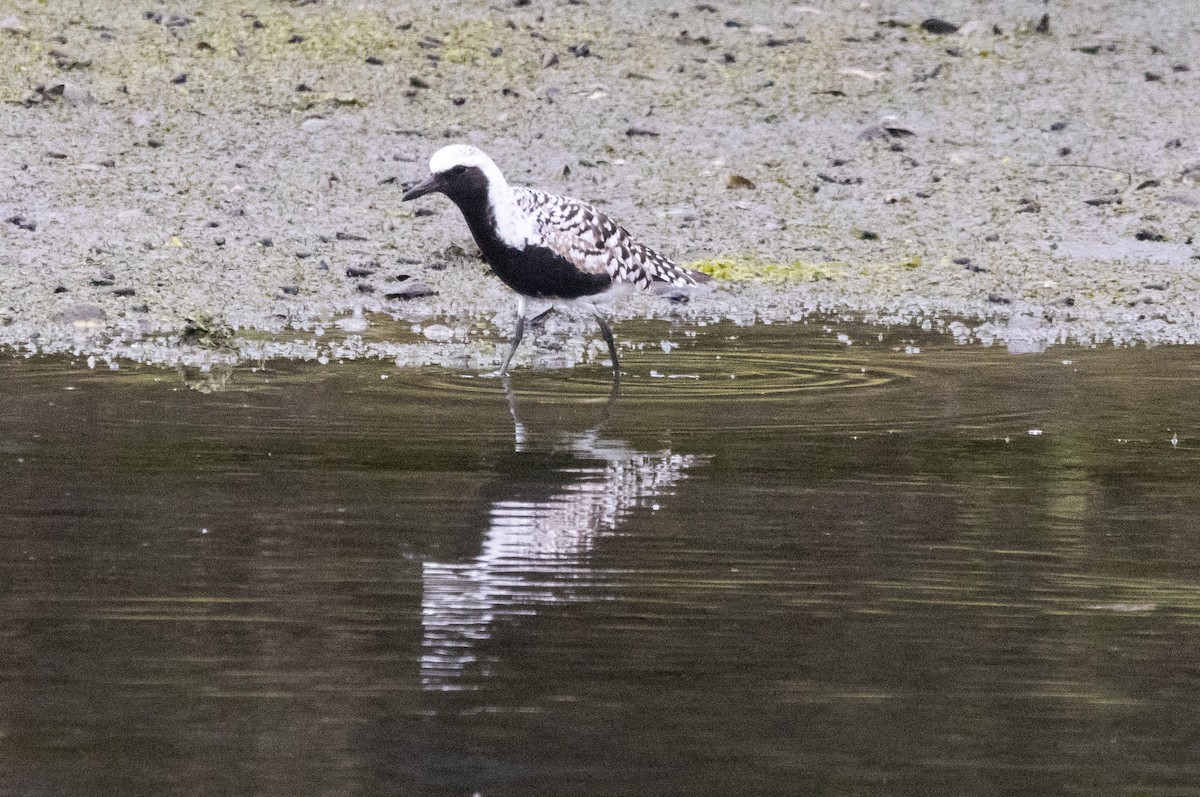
column 545, row 246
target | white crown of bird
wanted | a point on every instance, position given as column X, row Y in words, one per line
column 453, row 155
column 512, row 225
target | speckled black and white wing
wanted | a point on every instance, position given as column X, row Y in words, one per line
column 594, row 243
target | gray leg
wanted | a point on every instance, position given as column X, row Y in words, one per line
column 516, row 341
column 612, row 345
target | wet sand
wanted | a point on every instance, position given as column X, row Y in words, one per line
column 211, row 182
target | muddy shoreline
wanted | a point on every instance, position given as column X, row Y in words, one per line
column 202, row 182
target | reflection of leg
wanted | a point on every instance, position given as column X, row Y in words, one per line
column 516, row 341
column 608, row 338
column 518, row 427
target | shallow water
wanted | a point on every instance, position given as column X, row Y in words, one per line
column 774, row 563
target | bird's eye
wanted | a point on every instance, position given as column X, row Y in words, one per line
column 458, row 170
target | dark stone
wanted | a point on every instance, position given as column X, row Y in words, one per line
column 412, row 289
column 938, row 27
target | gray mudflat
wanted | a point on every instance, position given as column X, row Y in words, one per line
column 199, row 181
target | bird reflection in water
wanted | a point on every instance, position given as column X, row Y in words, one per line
column 574, row 488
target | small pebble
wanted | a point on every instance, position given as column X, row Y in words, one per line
column 413, row 289
column 938, row 27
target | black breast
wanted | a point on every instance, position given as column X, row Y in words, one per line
column 533, row 271
column 537, row 271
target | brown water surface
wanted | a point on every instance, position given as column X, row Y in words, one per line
column 772, row 564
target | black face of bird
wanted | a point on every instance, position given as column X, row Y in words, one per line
column 460, row 183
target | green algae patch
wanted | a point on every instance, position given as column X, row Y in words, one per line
column 754, row 270
column 348, row 36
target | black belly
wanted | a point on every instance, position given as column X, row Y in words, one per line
column 538, row 272
column 534, row 271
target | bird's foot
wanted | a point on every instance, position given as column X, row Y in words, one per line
column 540, row 319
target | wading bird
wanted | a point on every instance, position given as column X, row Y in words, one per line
column 545, row 246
